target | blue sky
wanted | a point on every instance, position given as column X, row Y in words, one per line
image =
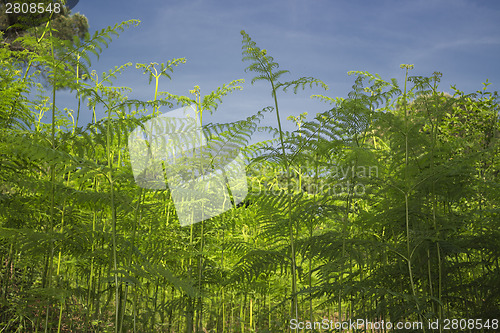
column 320, row 38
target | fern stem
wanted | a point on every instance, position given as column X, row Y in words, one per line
column 409, row 253
column 52, row 171
column 78, row 94
column 294, row 305
column 113, row 219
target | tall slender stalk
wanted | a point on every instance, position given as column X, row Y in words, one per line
column 199, row 317
column 265, row 67
column 294, row 312
column 52, row 170
column 113, row 219
column 434, row 129
column 409, row 251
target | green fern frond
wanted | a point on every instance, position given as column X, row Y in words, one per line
column 262, row 64
column 301, row 83
column 153, row 73
column 258, row 262
column 210, row 101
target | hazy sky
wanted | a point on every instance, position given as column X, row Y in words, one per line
column 320, row 38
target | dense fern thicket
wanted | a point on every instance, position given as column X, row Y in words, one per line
column 385, row 207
